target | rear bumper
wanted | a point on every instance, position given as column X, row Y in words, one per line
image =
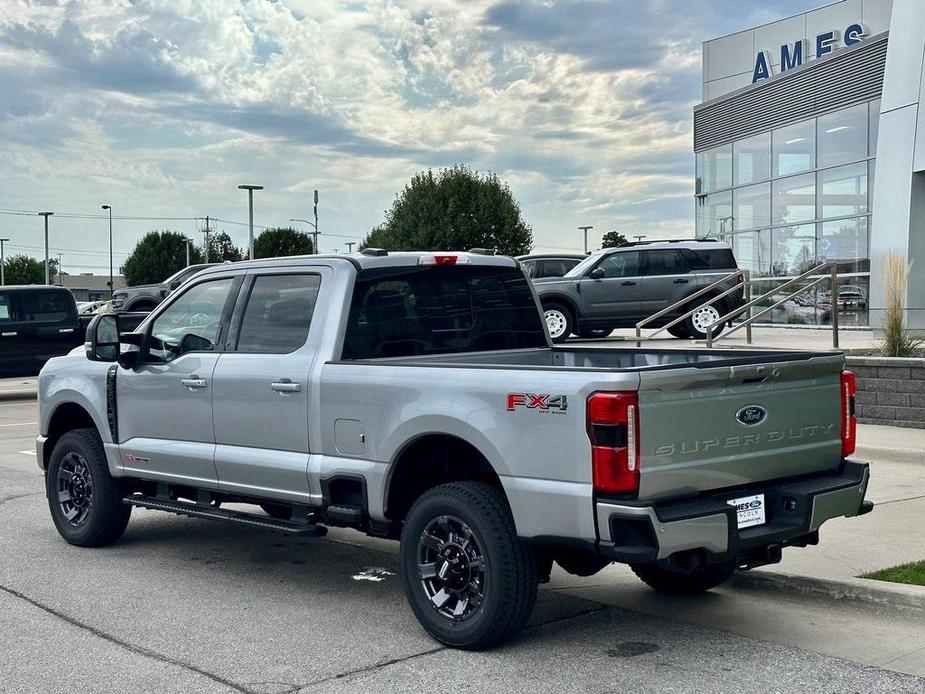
column 637, row 532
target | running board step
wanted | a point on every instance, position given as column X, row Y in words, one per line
column 344, row 514
column 192, row 510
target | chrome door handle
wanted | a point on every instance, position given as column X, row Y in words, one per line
column 194, row 383
column 286, row 387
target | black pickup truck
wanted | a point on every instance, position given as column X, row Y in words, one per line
column 38, row 323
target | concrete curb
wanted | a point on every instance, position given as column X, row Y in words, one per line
column 862, row 590
column 18, row 394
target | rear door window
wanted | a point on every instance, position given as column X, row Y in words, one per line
column 278, row 314
column 44, row 307
column 398, row 312
column 665, row 262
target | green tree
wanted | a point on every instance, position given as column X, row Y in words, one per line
column 282, row 241
column 24, row 269
column 453, row 210
column 222, row 248
column 612, row 239
column 157, row 256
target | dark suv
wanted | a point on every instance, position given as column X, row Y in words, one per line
column 618, row 287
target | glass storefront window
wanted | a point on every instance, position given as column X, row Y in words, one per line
column 752, row 250
column 793, row 250
column 794, row 199
column 714, row 169
column 751, row 206
column 843, row 136
column 793, row 149
column 714, row 214
column 874, row 127
column 843, row 191
column 845, row 241
column 752, row 159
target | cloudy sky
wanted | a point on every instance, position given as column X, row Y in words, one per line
column 162, row 107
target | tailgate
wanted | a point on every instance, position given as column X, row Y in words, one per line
column 703, row 429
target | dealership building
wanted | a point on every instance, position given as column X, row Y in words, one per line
column 810, row 147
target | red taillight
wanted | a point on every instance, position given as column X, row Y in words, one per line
column 849, row 420
column 613, row 427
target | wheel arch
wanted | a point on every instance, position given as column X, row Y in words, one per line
column 66, row 417
column 557, row 298
column 428, row 460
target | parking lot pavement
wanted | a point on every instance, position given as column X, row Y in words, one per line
column 193, row 605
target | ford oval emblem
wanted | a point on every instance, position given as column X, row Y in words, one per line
column 750, row 415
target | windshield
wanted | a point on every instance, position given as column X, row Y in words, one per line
column 583, row 266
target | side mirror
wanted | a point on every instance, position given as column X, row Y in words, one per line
column 102, row 341
column 597, row 273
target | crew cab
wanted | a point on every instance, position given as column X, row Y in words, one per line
column 417, row 396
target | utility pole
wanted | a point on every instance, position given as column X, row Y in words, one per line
column 585, row 229
column 189, row 242
column 639, row 237
column 107, row 207
column 206, row 232
column 46, row 215
column 60, row 275
column 350, row 245
column 250, row 216
column 315, row 247
column 2, row 263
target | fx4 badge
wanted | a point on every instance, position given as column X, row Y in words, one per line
column 543, row 402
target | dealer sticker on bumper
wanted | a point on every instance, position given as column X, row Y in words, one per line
column 750, row 510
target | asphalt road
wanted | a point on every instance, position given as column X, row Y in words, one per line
column 185, row 605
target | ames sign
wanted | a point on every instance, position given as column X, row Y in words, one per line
column 793, row 55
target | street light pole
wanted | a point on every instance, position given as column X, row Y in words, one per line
column 60, row 275
column 2, row 263
column 585, row 229
column 250, row 215
column 350, row 245
column 314, row 233
column 188, row 243
column 46, row 215
column 109, row 209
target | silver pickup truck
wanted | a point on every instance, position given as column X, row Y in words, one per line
column 417, row 396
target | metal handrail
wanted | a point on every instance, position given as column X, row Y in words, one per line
column 832, row 278
column 687, row 299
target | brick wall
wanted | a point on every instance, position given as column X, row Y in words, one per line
column 890, row 391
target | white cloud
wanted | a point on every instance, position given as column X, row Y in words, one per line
column 168, row 104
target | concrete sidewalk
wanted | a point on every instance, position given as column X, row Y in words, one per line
column 890, row 535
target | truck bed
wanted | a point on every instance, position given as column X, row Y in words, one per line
column 603, row 358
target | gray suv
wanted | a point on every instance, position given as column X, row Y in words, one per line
column 618, row 287
column 142, row 298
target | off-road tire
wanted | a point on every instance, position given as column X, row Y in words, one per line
column 562, row 314
column 673, row 582
column 510, row 566
column 106, row 517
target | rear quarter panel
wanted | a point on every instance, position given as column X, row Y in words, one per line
column 541, row 455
